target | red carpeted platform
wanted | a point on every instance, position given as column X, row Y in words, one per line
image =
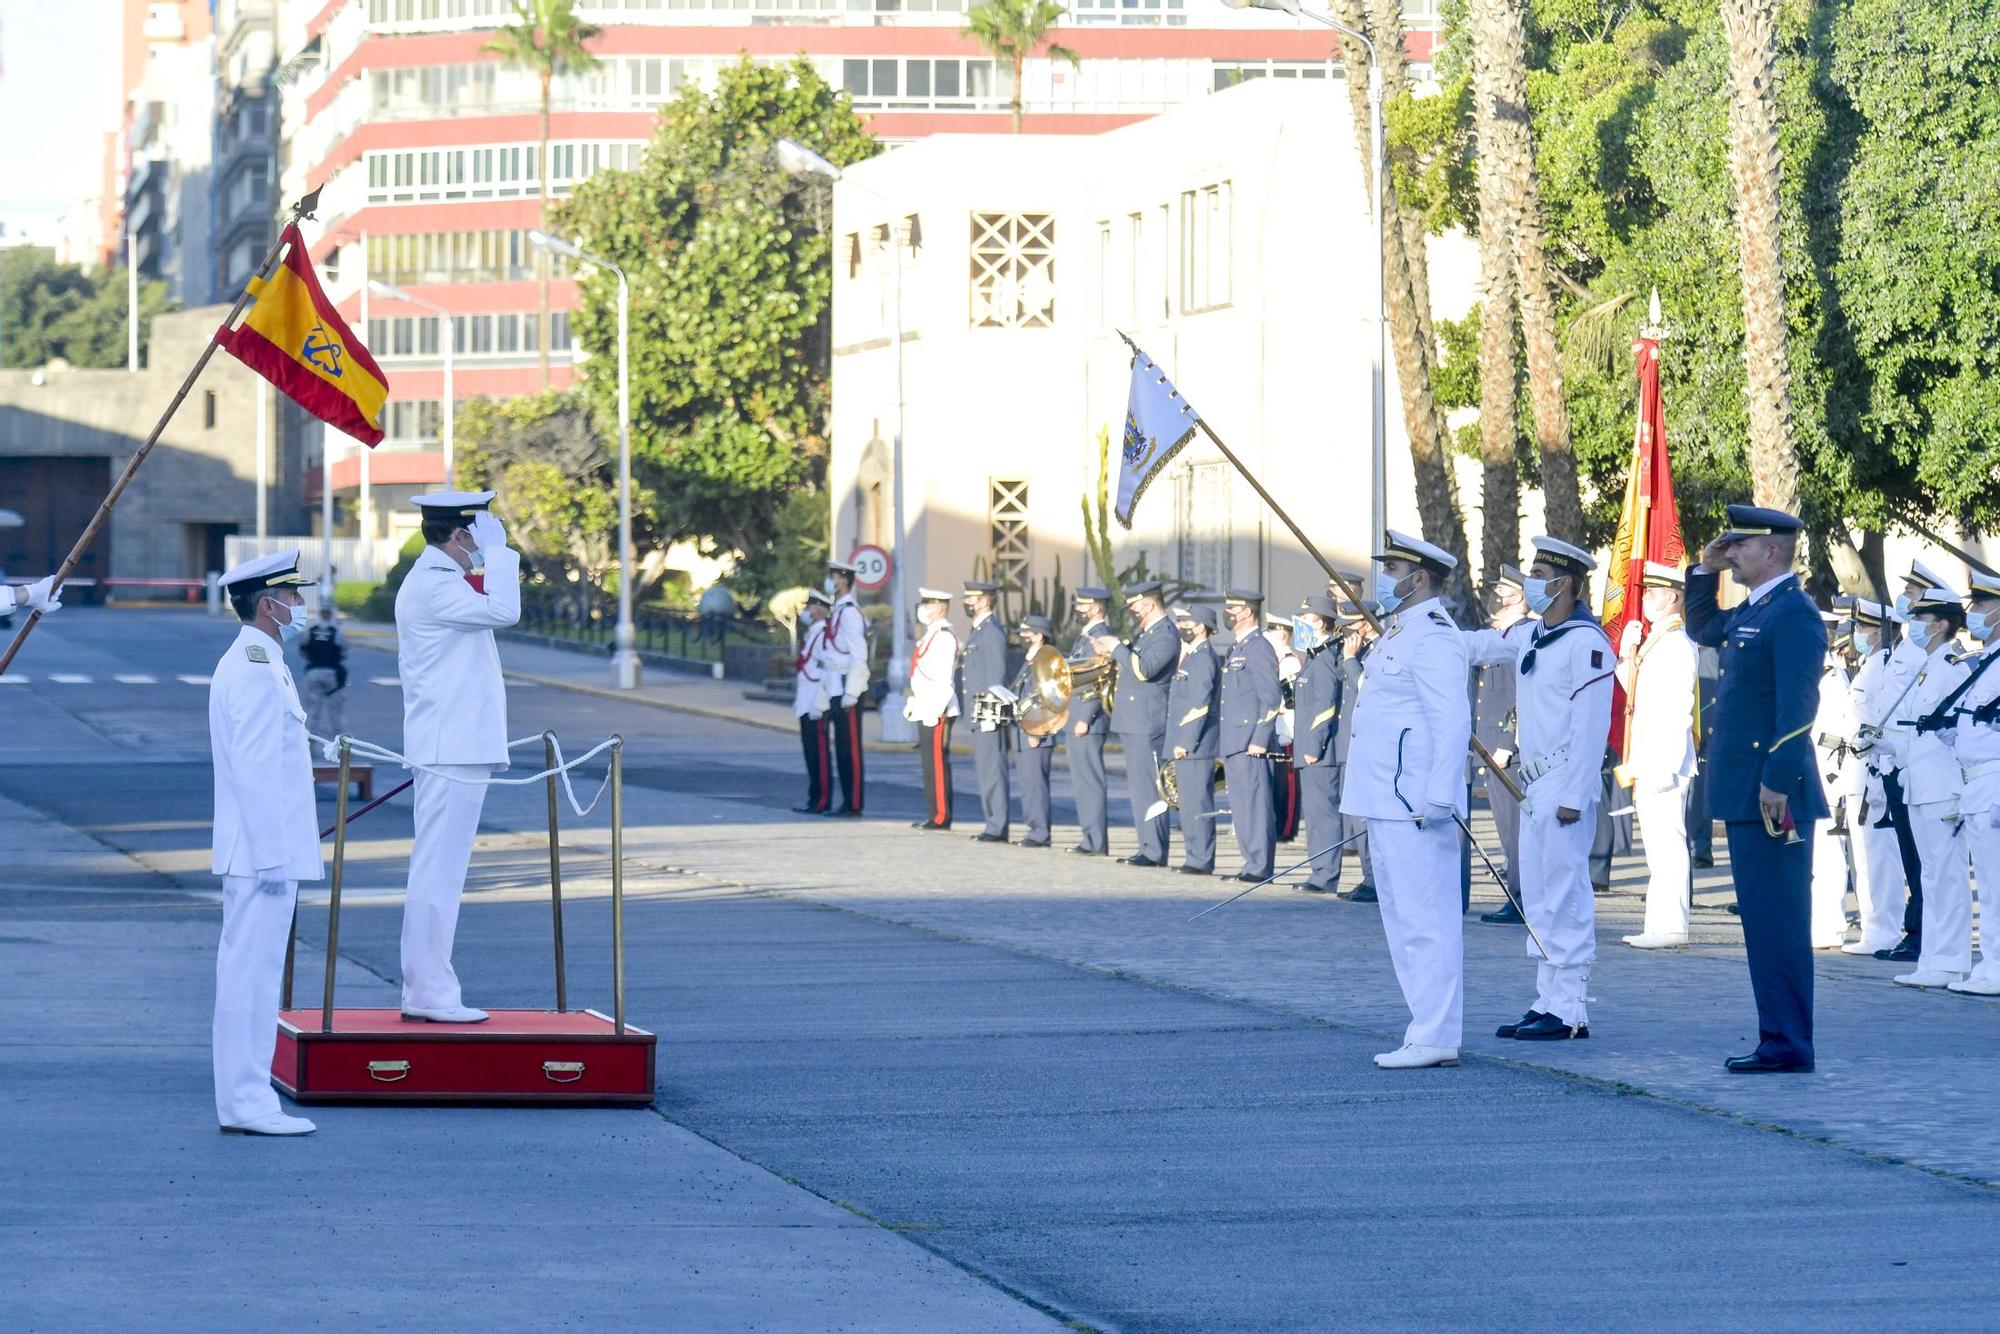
column 570, row 1056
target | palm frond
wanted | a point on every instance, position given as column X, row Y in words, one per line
column 1597, row 335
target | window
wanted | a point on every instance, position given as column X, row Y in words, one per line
column 1013, row 270
column 1007, row 530
column 1205, row 248
column 1201, row 524
column 923, row 82
column 398, row 176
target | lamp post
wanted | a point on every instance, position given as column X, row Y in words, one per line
column 448, row 336
column 625, row 643
column 1378, row 446
column 799, row 160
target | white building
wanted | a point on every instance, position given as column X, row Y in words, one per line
column 1231, row 238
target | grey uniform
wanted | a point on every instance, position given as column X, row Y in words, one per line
column 983, row 665
column 1193, row 725
column 1350, row 690
column 1316, row 702
column 1250, row 701
column 1033, row 754
column 1139, row 716
column 1086, row 754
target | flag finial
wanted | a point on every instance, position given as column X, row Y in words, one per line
column 1654, row 328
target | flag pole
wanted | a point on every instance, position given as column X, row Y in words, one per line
column 1353, row 594
column 303, row 209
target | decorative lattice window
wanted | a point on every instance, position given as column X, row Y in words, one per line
column 1013, row 270
column 1007, row 526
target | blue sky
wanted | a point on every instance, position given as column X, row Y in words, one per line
column 53, row 105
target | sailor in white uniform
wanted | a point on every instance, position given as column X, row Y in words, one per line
column 1932, row 786
column 266, row 834
column 1405, row 775
column 1658, row 673
column 466, row 584
column 1563, row 704
column 1878, row 854
column 1976, row 739
column 1840, row 771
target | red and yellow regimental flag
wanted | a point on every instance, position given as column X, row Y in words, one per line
column 1649, row 526
column 294, row 338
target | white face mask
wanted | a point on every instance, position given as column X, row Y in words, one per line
column 1903, row 604
column 1385, row 591
column 1924, row 633
column 1864, row 643
column 1538, row 595
column 1980, row 624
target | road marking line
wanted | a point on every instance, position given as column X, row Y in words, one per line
column 15, row 680
column 137, row 679
column 385, row 680
column 69, row 679
column 193, row 680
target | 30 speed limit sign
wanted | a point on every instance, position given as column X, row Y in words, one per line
column 871, row 568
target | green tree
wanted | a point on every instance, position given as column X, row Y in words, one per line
column 547, row 38
column 1013, row 30
column 50, row 310
column 728, row 260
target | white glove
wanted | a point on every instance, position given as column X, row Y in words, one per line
column 849, row 701
column 272, row 881
column 487, row 531
column 910, row 711
column 1503, row 757
column 1628, row 642
column 1436, row 813
column 41, row 596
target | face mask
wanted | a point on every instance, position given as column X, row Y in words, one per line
column 1305, row 635
column 923, row 615
column 826, row 585
column 1981, row 625
column 1923, row 634
column 1903, row 604
column 1385, row 591
column 289, row 628
column 1538, row 595
column 1186, row 633
column 1864, row 643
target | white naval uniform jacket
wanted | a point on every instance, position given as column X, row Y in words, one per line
column 1977, row 745
column 809, row 694
column 1562, row 705
column 1412, row 720
column 1833, row 732
column 454, row 701
column 265, row 816
column 1660, row 745
column 846, row 650
column 1931, row 772
column 1888, row 703
column 1865, row 690
column 934, row 676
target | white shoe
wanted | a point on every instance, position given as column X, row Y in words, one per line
column 1865, row 947
column 277, row 1123
column 1415, row 1056
column 449, row 1014
column 1977, row 984
column 1650, row 940
column 1929, row 977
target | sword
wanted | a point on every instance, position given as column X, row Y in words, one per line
column 1287, row 871
column 1501, row 880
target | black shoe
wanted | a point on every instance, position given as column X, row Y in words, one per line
column 1509, row 1030
column 1030, row 843
column 1139, row 859
column 1251, row 877
column 1505, row 915
column 1756, row 1063
column 1361, row 894
column 983, row 837
column 844, row 812
column 1703, row 861
column 1081, row 851
column 1195, row 870
column 1548, row 1028
column 809, row 809
column 1905, row 950
column 1736, row 910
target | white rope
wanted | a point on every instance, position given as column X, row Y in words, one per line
column 368, row 750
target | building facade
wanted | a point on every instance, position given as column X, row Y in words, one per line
column 245, row 142
column 168, row 143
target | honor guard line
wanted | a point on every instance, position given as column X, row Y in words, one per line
column 305, row 208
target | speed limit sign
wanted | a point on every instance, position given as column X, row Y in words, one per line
column 871, row 568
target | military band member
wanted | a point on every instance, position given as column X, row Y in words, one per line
column 1033, row 752
column 324, row 650
column 1317, row 723
column 933, row 703
column 1976, row 739
column 1139, row 712
column 266, row 835
column 1284, row 775
column 1192, row 729
column 454, row 724
column 810, row 698
column 1249, row 701
column 1658, row 674
column 1834, row 724
column 41, row 596
column 1493, row 722
column 1406, row 777
column 1762, row 776
column 1083, row 738
column 846, row 655
column 1563, row 705
column 1932, row 780
column 1878, row 856
column 1358, row 639
column 983, row 665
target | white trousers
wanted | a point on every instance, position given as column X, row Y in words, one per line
column 1416, row 880
column 1561, row 906
column 1983, row 840
column 1882, row 886
column 1662, row 816
column 1947, row 890
column 447, row 822
column 1829, row 887
column 249, row 969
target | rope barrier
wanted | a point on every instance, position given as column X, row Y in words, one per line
column 368, row 750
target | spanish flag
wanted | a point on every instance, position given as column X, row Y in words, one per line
column 1649, row 526
column 294, row 338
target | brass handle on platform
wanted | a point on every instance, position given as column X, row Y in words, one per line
column 388, row 1072
column 563, row 1072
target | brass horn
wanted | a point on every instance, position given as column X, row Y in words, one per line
column 1055, row 684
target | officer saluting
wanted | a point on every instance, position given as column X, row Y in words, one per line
column 1139, row 712
column 1035, row 751
column 1084, row 740
column 1249, row 702
column 266, row 835
column 983, row 663
column 1763, row 782
column 1406, row 777
column 1191, row 737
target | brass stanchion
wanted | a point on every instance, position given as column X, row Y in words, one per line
column 333, row 904
column 555, row 872
column 618, row 883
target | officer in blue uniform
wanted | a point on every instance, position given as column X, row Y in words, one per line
column 1033, row 753
column 1249, row 701
column 1139, row 711
column 1083, row 734
column 983, row 665
column 1192, row 723
column 1316, row 723
column 1763, row 780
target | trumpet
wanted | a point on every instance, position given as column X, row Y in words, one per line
column 1054, row 685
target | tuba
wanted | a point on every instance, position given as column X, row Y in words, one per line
column 1054, row 684
column 1169, row 785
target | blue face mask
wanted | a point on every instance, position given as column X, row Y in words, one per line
column 1536, row 591
column 1980, row 624
column 1903, row 603
column 1305, row 635
column 1864, row 643
column 1385, row 591
column 291, row 628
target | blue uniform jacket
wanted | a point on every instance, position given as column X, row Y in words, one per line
column 1771, row 655
column 983, row 660
column 1316, row 698
column 1087, row 711
column 1250, row 698
column 1145, row 667
column 1191, row 718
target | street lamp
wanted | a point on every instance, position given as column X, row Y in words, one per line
column 798, row 160
column 1378, row 489
column 448, row 335
column 625, row 643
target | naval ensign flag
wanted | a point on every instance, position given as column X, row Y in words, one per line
column 1158, row 421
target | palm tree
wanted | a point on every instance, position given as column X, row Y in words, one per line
column 1501, row 85
column 1500, row 491
column 547, row 37
column 1012, row 30
column 1752, row 29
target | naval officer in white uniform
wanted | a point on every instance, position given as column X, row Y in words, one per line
column 1657, row 667
column 266, row 835
column 466, row 584
column 1406, row 776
